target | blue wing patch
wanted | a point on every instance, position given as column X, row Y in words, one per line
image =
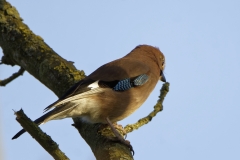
column 123, row 85
column 129, row 83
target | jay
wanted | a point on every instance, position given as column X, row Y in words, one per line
column 112, row 92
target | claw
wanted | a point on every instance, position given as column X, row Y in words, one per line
column 119, row 137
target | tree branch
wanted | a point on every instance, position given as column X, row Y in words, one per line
column 107, row 150
column 29, row 51
column 22, row 47
column 12, row 77
column 42, row 138
column 7, row 61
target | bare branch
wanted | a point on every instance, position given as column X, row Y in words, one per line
column 12, row 77
column 7, row 61
column 42, row 138
column 30, row 51
column 108, row 149
column 157, row 108
column 21, row 46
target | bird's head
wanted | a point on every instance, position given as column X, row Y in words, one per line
column 145, row 52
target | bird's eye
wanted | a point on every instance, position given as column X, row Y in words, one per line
column 163, row 64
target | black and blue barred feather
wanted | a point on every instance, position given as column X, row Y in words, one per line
column 128, row 83
column 123, row 85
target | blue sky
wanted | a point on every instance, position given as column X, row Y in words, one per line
column 200, row 40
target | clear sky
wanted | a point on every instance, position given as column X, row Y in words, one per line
column 201, row 43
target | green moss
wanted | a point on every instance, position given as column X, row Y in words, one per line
column 11, row 11
column 116, row 154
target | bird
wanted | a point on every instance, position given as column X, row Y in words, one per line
column 112, row 92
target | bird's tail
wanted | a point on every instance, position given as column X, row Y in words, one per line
column 57, row 113
column 38, row 121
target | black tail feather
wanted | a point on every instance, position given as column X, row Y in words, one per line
column 60, row 112
column 37, row 121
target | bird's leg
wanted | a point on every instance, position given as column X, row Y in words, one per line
column 120, row 129
column 119, row 136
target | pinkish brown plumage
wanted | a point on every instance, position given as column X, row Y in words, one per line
column 113, row 91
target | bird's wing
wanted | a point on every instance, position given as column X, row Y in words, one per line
column 78, row 88
column 120, row 69
column 125, row 84
column 81, row 90
column 116, row 75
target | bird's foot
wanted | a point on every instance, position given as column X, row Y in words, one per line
column 118, row 136
column 120, row 129
column 104, row 129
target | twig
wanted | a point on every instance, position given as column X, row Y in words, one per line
column 157, row 108
column 12, row 77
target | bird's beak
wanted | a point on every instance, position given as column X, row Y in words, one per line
column 162, row 77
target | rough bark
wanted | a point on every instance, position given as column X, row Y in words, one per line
column 23, row 48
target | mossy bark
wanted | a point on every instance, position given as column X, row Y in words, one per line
column 22, row 47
